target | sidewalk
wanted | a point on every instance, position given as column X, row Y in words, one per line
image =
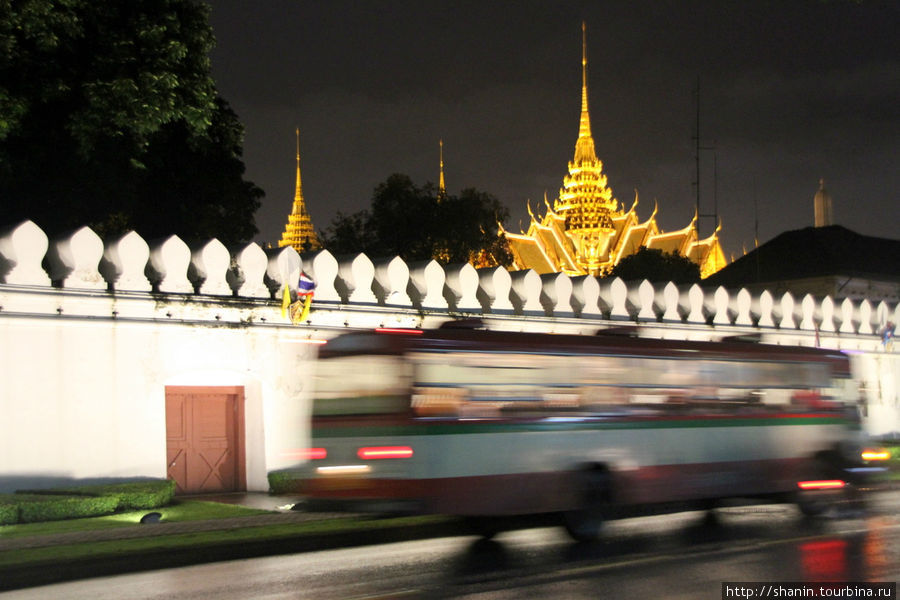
column 50, row 558
column 251, row 500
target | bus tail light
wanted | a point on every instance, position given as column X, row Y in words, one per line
column 876, row 454
column 305, row 453
column 375, row 452
column 821, row 484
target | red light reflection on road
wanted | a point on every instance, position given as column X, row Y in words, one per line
column 824, row 560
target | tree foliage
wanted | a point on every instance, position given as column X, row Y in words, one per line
column 655, row 266
column 418, row 223
column 109, row 117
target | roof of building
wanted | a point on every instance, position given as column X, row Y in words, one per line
column 814, row 252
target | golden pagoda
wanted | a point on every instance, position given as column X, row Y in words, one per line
column 586, row 231
column 299, row 232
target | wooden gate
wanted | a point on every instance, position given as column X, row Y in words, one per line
column 204, row 439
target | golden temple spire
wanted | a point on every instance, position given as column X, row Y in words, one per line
column 442, row 189
column 298, row 188
column 584, row 147
column 299, row 232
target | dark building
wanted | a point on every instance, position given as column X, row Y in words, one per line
column 822, row 261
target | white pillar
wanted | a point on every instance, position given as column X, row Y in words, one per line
column 22, row 249
column 74, row 260
column 124, row 262
column 251, row 271
column 392, row 277
column 210, row 262
column 169, row 262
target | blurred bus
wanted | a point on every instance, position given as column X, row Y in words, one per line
column 488, row 424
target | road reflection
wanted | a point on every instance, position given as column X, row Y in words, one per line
column 803, row 549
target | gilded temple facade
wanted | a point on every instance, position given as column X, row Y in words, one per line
column 299, row 232
column 587, row 231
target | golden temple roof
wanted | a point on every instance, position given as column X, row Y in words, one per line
column 299, row 232
column 586, row 231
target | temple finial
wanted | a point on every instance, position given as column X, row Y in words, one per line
column 822, row 206
column 583, row 65
column 442, row 189
column 584, row 147
column 298, row 189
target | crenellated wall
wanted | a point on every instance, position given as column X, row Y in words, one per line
column 92, row 333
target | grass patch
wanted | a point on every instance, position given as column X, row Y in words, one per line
column 118, row 548
column 180, row 510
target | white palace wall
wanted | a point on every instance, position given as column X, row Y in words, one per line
column 92, row 334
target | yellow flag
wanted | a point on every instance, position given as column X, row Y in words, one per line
column 306, row 302
column 285, row 300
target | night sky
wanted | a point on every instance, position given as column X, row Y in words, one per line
column 790, row 92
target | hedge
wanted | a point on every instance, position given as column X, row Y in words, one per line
column 9, row 513
column 30, row 506
column 138, row 495
column 283, row 482
column 35, row 508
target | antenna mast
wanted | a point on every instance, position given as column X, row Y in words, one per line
column 697, row 149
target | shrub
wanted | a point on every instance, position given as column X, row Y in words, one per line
column 136, row 495
column 33, row 508
column 283, row 482
column 29, row 506
column 9, row 512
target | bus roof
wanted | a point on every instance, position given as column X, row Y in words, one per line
column 400, row 341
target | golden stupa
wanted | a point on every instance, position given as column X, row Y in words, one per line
column 299, row 232
column 587, row 231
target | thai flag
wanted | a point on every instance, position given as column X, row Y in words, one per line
column 306, row 285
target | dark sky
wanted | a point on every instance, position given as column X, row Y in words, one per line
column 791, row 92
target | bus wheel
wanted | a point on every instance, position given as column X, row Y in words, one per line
column 484, row 527
column 812, row 506
column 585, row 524
column 813, row 503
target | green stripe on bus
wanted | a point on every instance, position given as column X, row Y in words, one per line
column 458, row 428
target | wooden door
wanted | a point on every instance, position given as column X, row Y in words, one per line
column 204, row 439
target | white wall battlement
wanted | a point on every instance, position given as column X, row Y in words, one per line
column 80, row 261
column 92, row 333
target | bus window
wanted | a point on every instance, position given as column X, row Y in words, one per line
column 361, row 385
column 437, row 401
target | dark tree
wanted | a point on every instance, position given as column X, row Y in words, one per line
column 468, row 229
column 109, row 117
column 417, row 223
column 403, row 219
column 657, row 266
column 349, row 234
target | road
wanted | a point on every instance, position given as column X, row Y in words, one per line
column 675, row 556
